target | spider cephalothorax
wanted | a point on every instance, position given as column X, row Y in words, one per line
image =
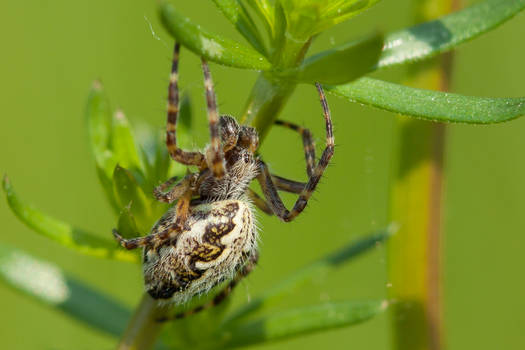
column 210, row 236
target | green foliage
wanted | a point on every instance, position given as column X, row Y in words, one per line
column 339, row 65
column 212, row 47
column 430, row 105
column 431, row 38
column 47, row 284
column 130, row 162
column 309, row 319
column 61, row 232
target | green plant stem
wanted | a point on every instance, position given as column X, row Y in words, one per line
column 268, row 97
column 414, row 266
column 143, row 328
column 270, row 93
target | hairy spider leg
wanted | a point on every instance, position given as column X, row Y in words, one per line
column 214, row 154
column 177, row 154
column 222, row 295
column 182, row 211
column 259, row 202
column 152, row 239
column 268, row 187
column 308, row 144
column 176, row 191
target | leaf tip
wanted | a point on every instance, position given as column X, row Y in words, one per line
column 120, row 116
column 6, row 184
column 97, row 85
column 392, row 229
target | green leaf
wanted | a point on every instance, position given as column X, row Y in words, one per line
column 236, row 13
column 434, row 37
column 98, row 117
column 99, row 125
column 47, row 284
column 63, row 233
column 306, row 18
column 205, row 44
column 127, row 227
column 340, row 10
column 130, row 195
column 292, row 282
column 123, row 143
column 343, row 64
column 292, row 323
column 265, row 10
column 430, row 105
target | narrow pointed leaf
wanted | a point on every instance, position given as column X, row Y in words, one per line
column 210, row 46
column 292, row 282
column 98, row 115
column 434, row 37
column 306, row 18
column 236, row 13
column 341, row 10
column 127, row 227
column 343, row 64
column 130, row 195
column 123, row 143
column 265, row 10
column 47, row 284
column 295, row 322
column 430, row 105
column 99, row 125
column 63, row 233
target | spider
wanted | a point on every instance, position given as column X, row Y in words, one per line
column 210, row 235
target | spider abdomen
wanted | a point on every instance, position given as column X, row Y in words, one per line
column 216, row 242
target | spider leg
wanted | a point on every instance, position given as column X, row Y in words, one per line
column 222, row 295
column 269, row 188
column 287, row 185
column 259, row 202
column 174, row 193
column 162, row 232
column 308, row 144
column 151, row 239
column 177, row 154
column 214, row 153
column 183, row 208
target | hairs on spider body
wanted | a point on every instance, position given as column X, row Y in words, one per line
column 210, row 235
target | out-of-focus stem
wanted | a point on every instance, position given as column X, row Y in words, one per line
column 143, row 329
column 414, row 267
column 267, row 99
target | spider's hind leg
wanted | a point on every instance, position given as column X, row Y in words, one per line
column 269, row 188
column 308, row 143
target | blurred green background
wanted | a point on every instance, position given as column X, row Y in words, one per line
column 53, row 50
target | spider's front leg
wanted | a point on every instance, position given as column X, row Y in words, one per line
column 214, row 153
column 176, row 191
column 170, row 225
column 177, row 154
column 269, row 188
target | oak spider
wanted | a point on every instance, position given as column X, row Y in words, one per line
column 210, row 235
